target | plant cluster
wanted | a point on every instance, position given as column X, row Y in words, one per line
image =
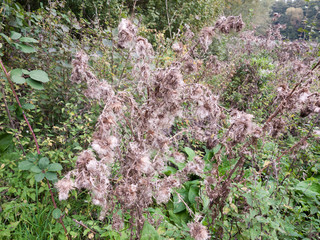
column 211, row 134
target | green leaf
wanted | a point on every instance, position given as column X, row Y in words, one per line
column 56, row 213
column 39, row 75
column 54, row 167
column 25, row 48
column 28, row 40
column 193, row 193
column 18, row 79
column 170, row 170
column 178, row 206
column 5, row 141
column 148, row 232
column 35, row 84
column 16, row 72
column 35, row 169
column 28, row 106
column 14, row 35
column 6, row 38
column 38, row 177
column 25, row 71
column 43, row 163
column 191, row 154
column 25, row 165
column 107, row 42
column 51, row 176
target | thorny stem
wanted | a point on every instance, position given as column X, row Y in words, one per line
column 34, row 138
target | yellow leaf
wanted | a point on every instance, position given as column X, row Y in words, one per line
column 226, row 210
column 266, row 163
column 234, row 207
column 90, row 235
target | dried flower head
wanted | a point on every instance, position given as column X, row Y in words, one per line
column 143, row 48
column 177, row 47
column 64, row 186
column 198, row 231
column 127, row 33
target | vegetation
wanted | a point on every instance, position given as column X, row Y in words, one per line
column 142, row 120
column 302, row 18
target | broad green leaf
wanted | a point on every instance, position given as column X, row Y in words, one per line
column 0, row 45
column 28, row 106
column 38, row 177
column 35, row 169
column 51, row 176
column 56, row 213
column 28, row 40
column 25, row 48
column 43, row 163
column 54, row 167
column 193, row 193
column 191, row 154
column 148, row 232
column 14, row 35
column 25, row 71
column 18, row 79
column 39, row 75
column 35, row 84
column 25, row 165
column 178, row 206
column 16, row 72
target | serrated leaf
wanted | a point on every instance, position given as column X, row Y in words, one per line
column 14, row 35
column 38, row 177
column 35, row 169
column 39, row 75
column 16, row 72
column 43, row 163
column 148, row 232
column 25, row 48
column 28, row 40
column 51, row 176
column 18, row 79
column 35, row 84
column 25, row 165
column 56, row 213
column 54, row 167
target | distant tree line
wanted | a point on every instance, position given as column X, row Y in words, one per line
column 301, row 17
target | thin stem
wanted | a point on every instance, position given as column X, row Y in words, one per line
column 10, row 118
column 169, row 25
column 17, row 99
column 34, row 137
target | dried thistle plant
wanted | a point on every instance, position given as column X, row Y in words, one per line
column 134, row 130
